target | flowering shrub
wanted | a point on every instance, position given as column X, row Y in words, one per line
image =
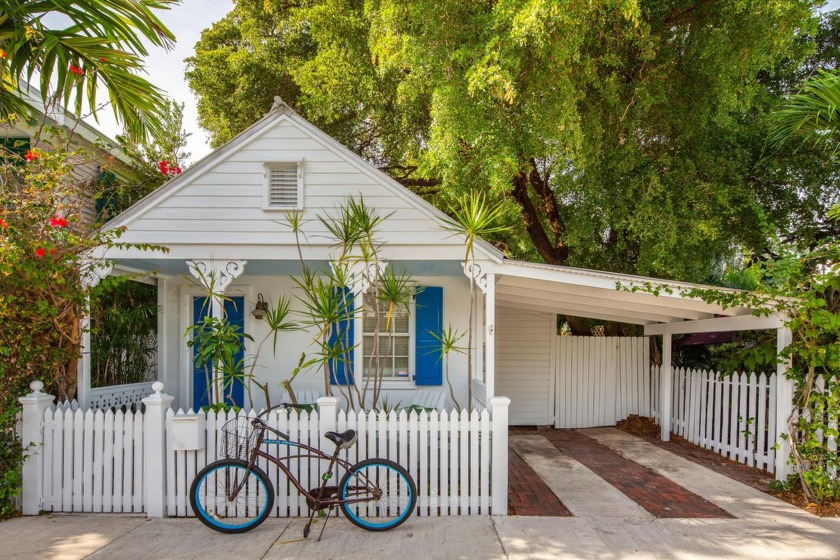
column 45, row 243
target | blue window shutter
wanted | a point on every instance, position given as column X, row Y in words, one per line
column 235, row 312
column 346, row 328
column 428, row 319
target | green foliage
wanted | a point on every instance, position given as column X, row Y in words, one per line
column 618, row 134
column 45, row 257
column 11, row 457
column 813, row 113
column 47, row 254
column 166, row 145
column 102, row 46
column 216, row 342
column 123, row 338
column 448, row 341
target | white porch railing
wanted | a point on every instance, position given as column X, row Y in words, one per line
column 111, row 461
column 118, row 396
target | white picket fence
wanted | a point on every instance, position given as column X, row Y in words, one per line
column 120, row 462
column 601, row 380
column 731, row 414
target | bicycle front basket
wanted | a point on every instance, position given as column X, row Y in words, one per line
column 238, row 438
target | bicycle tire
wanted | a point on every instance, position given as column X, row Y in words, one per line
column 391, row 482
column 210, row 488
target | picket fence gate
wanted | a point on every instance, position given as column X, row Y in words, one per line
column 731, row 414
column 125, row 462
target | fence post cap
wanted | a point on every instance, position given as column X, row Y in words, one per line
column 327, row 401
column 158, row 397
column 499, row 401
column 36, row 396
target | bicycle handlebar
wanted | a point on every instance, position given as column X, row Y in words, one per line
column 263, row 425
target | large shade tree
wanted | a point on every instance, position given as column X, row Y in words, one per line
column 74, row 50
column 623, row 135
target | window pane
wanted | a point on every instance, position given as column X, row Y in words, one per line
column 400, row 347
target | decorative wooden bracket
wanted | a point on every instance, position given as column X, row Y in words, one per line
column 216, row 275
column 474, row 272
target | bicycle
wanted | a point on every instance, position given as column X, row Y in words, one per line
column 234, row 495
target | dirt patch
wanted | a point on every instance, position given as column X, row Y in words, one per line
column 756, row 478
column 798, row 499
column 638, row 426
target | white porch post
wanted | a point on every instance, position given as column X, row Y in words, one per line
column 784, row 404
column 91, row 277
column 665, row 378
column 490, row 336
column 215, row 276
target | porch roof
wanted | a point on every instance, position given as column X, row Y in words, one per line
column 600, row 295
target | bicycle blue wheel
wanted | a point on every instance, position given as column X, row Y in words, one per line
column 211, row 491
column 377, row 494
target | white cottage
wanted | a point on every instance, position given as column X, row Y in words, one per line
column 225, row 216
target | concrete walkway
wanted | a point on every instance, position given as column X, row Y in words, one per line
column 764, row 528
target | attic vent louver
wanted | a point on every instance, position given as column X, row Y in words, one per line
column 284, row 189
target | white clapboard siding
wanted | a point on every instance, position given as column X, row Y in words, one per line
column 523, row 364
column 600, row 380
column 732, row 414
column 228, row 198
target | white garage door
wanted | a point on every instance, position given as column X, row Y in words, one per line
column 523, row 364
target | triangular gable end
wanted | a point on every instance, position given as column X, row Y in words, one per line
column 223, row 193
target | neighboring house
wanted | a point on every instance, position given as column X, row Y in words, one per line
column 114, row 166
column 226, row 215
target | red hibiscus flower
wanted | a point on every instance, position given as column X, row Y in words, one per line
column 58, row 222
column 3, row 223
column 102, row 58
column 31, row 155
column 76, row 70
column 3, row 54
column 168, row 168
column 39, row 252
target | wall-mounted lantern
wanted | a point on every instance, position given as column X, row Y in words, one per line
column 260, row 309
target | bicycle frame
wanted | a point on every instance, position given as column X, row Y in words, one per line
column 313, row 453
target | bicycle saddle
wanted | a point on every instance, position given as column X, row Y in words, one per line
column 343, row 440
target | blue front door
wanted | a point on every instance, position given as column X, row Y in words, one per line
column 233, row 392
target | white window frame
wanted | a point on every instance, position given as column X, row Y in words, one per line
column 267, row 167
column 387, row 382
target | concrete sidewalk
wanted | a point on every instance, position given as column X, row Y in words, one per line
column 68, row 537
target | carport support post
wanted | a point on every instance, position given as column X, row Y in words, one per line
column 499, row 458
column 784, row 404
column 665, row 379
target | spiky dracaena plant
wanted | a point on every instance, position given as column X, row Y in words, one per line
column 448, row 341
column 473, row 217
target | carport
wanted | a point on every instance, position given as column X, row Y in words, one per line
column 525, row 362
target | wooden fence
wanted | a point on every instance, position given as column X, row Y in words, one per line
column 120, row 462
column 601, row 380
column 731, row 414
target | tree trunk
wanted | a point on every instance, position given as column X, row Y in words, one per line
column 579, row 326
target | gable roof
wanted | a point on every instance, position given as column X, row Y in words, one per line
column 283, row 113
